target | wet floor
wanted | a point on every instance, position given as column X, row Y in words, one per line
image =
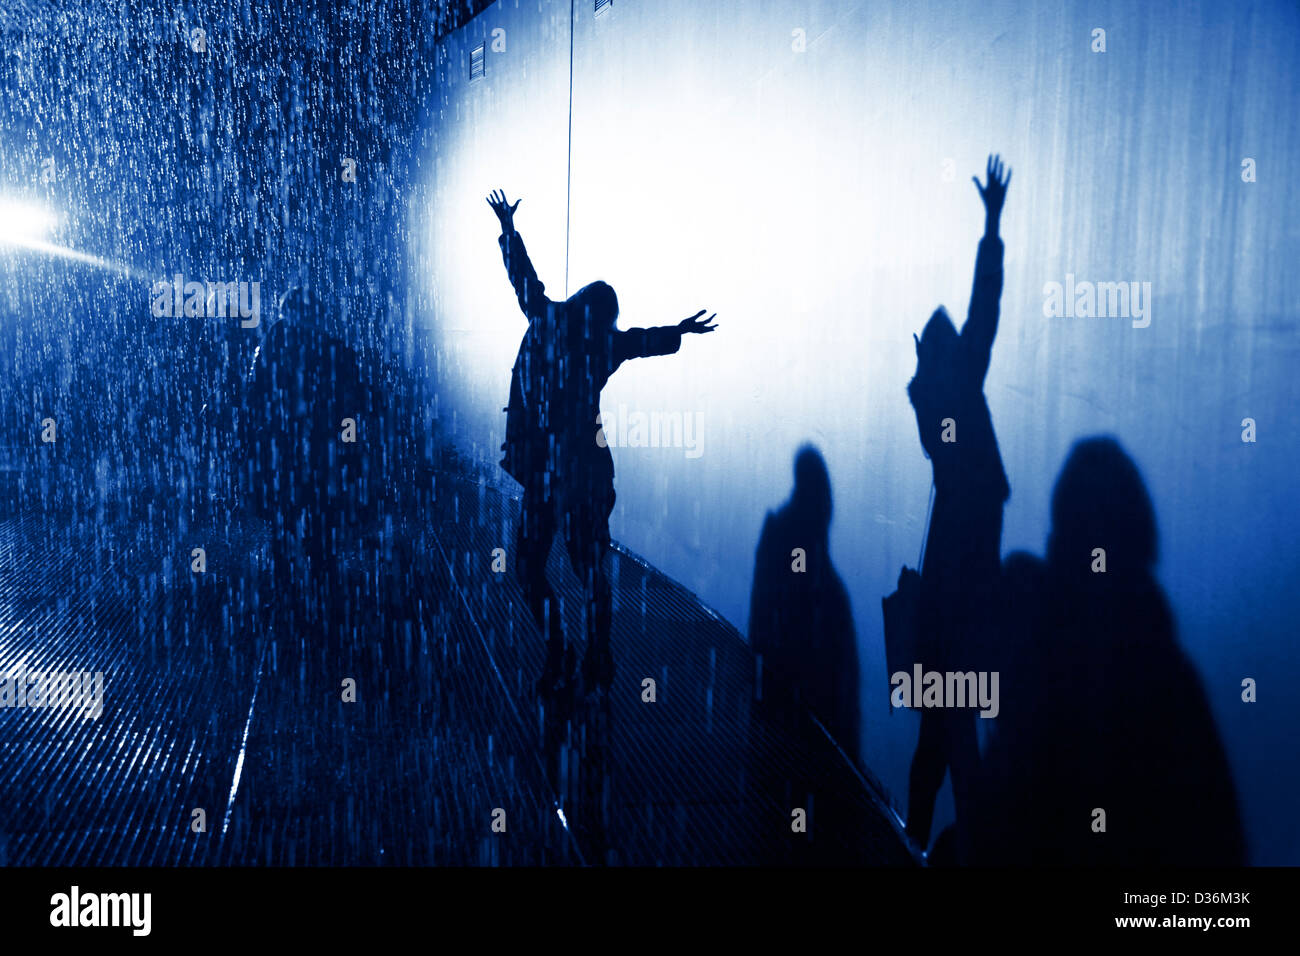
column 386, row 714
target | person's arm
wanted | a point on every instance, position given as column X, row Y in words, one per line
column 528, row 288
column 982, row 321
column 661, row 340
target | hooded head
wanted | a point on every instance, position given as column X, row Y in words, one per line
column 594, row 307
column 937, row 342
column 1100, row 501
column 812, row 488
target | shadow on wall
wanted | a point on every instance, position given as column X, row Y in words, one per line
column 1106, row 751
column 800, row 619
column 831, row 273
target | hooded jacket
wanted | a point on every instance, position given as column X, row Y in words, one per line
column 949, row 384
column 566, row 356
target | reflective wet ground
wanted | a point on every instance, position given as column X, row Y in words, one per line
column 224, row 693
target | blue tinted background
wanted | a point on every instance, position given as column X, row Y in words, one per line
column 692, row 157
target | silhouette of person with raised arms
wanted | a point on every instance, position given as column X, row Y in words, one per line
column 962, row 561
column 566, row 356
column 1102, row 710
column 800, row 619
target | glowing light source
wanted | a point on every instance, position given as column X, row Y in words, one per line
column 22, row 223
column 27, row 226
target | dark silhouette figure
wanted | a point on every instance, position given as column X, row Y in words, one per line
column 800, row 619
column 552, row 446
column 1101, row 709
column 958, row 584
column 305, row 469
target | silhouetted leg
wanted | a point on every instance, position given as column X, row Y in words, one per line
column 532, row 547
column 977, row 612
column 944, row 851
column 282, row 659
column 963, row 755
column 599, row 660
column 929, row 764
column 320, row 564
column 587, row 536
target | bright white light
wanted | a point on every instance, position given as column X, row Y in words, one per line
column 22, row 223
column 28, row 226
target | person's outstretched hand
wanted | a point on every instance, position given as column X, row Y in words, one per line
column 994, row 192
column 695, row 324
column 505, row 212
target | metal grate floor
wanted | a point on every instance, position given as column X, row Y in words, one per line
column 224, row 695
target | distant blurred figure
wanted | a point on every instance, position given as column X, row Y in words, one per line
column 553, row 446
column 800, row 619
column 306, row 468
column 1102, row 711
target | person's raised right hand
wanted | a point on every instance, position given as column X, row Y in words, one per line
column 994, row 192
column 505, row 212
